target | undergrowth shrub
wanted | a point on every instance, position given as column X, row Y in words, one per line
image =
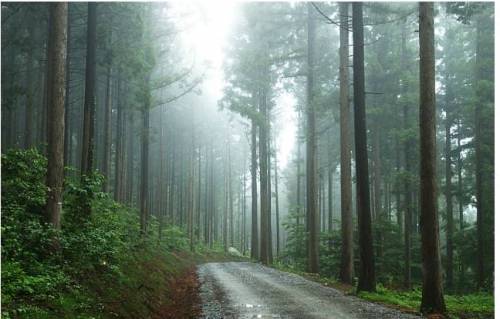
column 46, row 273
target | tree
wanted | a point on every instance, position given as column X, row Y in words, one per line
column 276, row 202
column 254, row 249
column 432, row 288
column 89, row 103
column 406, row 182
column 367, row 263
column 56, row 98
column 311, row 154
column 346, row 262
column 106, row 154
column 264, row 186
column 448, row 193
column 484, row 143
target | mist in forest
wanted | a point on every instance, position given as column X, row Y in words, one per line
column 350, row 140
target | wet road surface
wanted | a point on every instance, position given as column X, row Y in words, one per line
column 250, row 290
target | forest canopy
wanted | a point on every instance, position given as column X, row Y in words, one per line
column 350, row 140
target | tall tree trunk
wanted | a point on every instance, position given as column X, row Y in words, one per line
column 311, row 154
column 330, row 199
column 299, row 187
column 244, row 218
column 230, row 187
column 119, row 136
column 346, row 260
column 276, row 202
column 207, row 198
column 397, row 192
column 28, row 131
column 161, row 177
column 89, row 106
column 254, row 248
column 130, row 158
column 144, row 168
column 226, row 200
column 269, row 192
column 406, row 182
column 432, row 288
column 367, row 264
column 190, row 192
column 43, row 117
column 460, row 201
column 448, row 191
column 377, row 175
column 198, row 207
column 56, row 96
column 264, row 191
column 172, row 180
column 484, row 146
column 106, row 154
column 67, row 119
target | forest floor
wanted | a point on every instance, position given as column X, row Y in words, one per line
column 167, row 286
column 250, row 290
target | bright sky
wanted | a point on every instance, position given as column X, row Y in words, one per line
column 207, row 36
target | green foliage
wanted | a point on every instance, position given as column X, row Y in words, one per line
column 330, row 253
column 23, row 180
column 175, row 238
column 48, row 273
column 479, row 305
column 294, row 254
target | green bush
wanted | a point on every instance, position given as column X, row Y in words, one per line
column 48, row 273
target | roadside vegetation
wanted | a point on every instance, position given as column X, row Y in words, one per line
column 100, row 268
column 460, row 304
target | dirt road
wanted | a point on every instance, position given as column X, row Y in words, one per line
column 249, row 290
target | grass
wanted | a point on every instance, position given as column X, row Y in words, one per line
column 477, row 305
column 154, row 284
column 470, row 306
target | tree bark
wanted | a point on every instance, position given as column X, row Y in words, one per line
column 254, row 249
column 89, row 106
column 484, row 147
column 226, row 200
column 56, row 97
column 346, row 259
column 144, row 167
column 106, row 154
column 130, row 158
column 264, row 191
column 367, row 264
column 276, row 203
column 432, row 289
column 311, row 154
column 448, row 191
column 244, row 218
column 119, row 157
column 230, row 191
column 28, row 132
column 67, row 118
column 408, row 223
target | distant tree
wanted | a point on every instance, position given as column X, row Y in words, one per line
column 311, row 154
column 90, row 84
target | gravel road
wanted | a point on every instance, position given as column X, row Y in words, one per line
column 250, row 290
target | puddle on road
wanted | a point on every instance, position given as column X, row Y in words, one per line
column 256, row 311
